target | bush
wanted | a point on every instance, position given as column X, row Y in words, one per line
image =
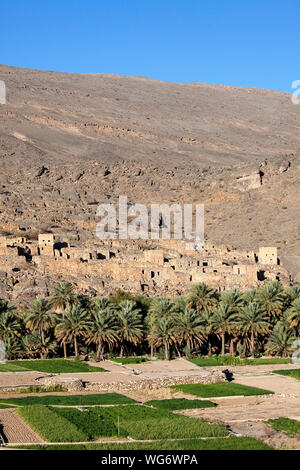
column 40, row 389
column 50, row 426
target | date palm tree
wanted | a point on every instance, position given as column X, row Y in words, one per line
column 179, row 304
column 205, row 319
column 280, row 341
column 294, row 314
column 62, row 298
column 162, row 334
column 14, row 348
column 249, row 296
column 5, row 307
column 271, row 298
column 10, row 327
column 251, row 322
column 40, row 318
column 160, row 307
column 202, row 297
column 188, row 328
column 291, row 294
column 75, row 324
column 35, row 344
column 129, row 324
column 235, row 300
column 104, row 327
column 222, row 322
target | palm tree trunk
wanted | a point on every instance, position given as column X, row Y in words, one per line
column 177, row 350
column 252, row 343
column 75, row 346
column 232, row 347
column 188, row 345
column 223, row 344
column 64, row 344
column 65, row 349
column 166, row 351
column 209, row 347
column 100, row 351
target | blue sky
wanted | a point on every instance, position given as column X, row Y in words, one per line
column 232, row 42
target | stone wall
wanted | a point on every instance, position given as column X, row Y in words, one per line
column 75, row 384
column 161, row 382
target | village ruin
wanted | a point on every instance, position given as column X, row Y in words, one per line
column 154, row 268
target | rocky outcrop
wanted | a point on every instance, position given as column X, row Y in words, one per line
column 245, row 183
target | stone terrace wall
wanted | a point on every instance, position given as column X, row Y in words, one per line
column 76, row 384
column 161, row 382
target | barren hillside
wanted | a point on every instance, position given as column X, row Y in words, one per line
column 69, row 142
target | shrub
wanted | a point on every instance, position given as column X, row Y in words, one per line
column 40, row 389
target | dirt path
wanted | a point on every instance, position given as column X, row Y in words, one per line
column 235, row 410
column 15, row 430
column 280, row 384
column 264, row 432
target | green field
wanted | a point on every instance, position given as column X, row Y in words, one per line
column 12, row 367
column 289, row 426
column 135, row 421
column 295, row 373
column 50, row 426
column 2, row 407
column 139, row 423
column 231, row 443
column 54, row 366
column 129, row 360
column 220, row 389
column 180, row 404
column 235, row 361
column 71, row 400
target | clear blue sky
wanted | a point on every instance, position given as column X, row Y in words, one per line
column 233, row 42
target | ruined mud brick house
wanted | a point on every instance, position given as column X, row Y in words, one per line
column 155, row 268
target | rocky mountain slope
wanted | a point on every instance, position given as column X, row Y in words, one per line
column 69, row 142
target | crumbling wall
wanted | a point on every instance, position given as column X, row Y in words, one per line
column 268, row 255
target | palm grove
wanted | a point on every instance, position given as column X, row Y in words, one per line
column 263, row 321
